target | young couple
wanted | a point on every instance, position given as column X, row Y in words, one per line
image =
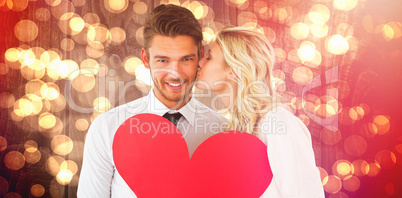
column 239, row 64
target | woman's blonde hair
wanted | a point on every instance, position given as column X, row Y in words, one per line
column 250, row 57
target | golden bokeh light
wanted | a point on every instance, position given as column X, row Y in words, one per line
column 351, row 183
column 17, row 5
column 385, row 158
column 52, row 92
column 27, row 57
column 42, row 14
column 69, row 165
column 12, row 55
column 140, row 7
column 302, row 75
column 299, row 30
column 32, row 157
column 197, row 9
column 361, row 167
column 67, row 44
column 98, row 33
column 139, row 37
column 319, row 30
column 373, row 169
column 48, row 56
column 35, row 89
column 7, row 100
column 89, row 66
column 37, row 190
column 95, row 49
column 53, row 2
column 101, row 104
column 333, row 185
column 355, row 145
column 337, row 45
column 247, row 19
column 345, row 5
column 17, row 115
column 347, row 116
column 118, row 35
column 3, row 143
column 63, row 7
column 343, row 168
column 24, row 105
column 306, row 51
column 281, row 14
column 52, row 165
column 30, row 74
column 14, row 160
column 31, row 146
column 116, row 6
column 26, row 30
column 330, row 136
column 131, row 64
column 91, row 19
column 68, row 68
column 57, row 104
column 64, row 176
column 208, row 35
column 382, row 124
column 319, row 14
column 53, row 131
column 81, row 124
column 62, row 145
column 77, row 24
column 84, row 82
column 323, row 175
column 280, row 55
column 47, row 120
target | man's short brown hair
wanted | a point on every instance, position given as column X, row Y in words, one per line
column 171, row 20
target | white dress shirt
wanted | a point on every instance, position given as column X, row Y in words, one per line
column 99, row 177
column 291, row 157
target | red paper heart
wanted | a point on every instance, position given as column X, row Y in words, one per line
column 151, row 155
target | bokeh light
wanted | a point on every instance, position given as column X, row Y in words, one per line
column 62, row 145
column 26, row 30
column 14, row 160
column 333, row 184
column 37, row 190
column 355, row 145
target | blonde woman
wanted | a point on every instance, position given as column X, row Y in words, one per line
column 238, row 67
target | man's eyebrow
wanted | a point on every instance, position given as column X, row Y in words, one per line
column 166, row 57
column 161, row 57
column 188, row 56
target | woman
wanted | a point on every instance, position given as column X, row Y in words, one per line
column 239, row 66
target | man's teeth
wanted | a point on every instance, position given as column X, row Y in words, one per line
column 175, row 84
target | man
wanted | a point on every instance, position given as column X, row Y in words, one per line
column 173, row 46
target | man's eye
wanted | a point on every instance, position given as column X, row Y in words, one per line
column 162, row 61
column 187, row 59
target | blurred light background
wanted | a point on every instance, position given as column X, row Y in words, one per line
column 64, row 62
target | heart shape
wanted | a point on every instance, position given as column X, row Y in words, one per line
column 152, row 157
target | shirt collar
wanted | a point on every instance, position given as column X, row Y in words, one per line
column 155, row 106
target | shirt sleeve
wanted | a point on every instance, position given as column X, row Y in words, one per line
column 291, row 158
column 97, row 168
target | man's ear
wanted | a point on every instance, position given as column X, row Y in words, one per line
column 201, row 53
column 144, row 58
